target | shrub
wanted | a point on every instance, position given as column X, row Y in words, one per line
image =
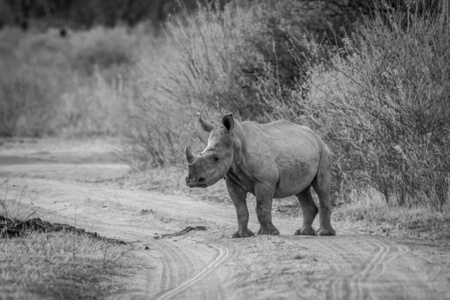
column 215, row 62
column 35, row 70
column 81, row 84
column 207, row 51
column 385, row 110
column 103, row 48
column 97, row 106
column 231, row 59
column 163, row 123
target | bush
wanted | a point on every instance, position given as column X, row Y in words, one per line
column 81, row 84
column 163, row 123
column 225, row 58
column 215, row 62
column 97, row 106
column 35, row 69
column 385, row 110
column 207, row 52
column 103, row 48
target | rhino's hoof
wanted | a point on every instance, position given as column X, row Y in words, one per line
column 268, row 231
column 326, row 232
column 242, row 234
column 305, row 230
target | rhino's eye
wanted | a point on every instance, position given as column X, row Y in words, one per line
column 216, row 158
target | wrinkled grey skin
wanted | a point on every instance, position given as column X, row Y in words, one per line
column 273, row 160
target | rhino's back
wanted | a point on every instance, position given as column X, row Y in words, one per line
column 281, row 134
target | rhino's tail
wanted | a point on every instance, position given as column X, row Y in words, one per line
column 322, row 181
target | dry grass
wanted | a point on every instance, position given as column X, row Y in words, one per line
column 57, row 265
column 369, row 212
column 60, row 266
column 12, row 203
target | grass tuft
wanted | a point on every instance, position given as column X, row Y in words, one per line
column 374, row 216
column 60, row 265
column 45, row 260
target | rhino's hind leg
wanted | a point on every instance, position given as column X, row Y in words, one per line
column 309, row 209
column 322, row 186
column 264, row 198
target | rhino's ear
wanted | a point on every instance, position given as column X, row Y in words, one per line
column 228, row 122
column 205, row 125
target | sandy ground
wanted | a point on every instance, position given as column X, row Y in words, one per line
column 78, row 183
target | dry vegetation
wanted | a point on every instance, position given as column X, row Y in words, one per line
column 52, row 262
column 77, row 85
column 60, row 266
column 384, row 110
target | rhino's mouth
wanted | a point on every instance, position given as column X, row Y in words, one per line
column 196, row 182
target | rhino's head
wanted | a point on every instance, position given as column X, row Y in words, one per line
column 214, row 162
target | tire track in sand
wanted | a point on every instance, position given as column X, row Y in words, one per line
column 356, row 285
column 176, row 265
column 221, row 256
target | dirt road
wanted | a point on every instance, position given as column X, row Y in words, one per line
column 70, row 186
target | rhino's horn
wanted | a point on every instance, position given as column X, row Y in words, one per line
column 190, row 158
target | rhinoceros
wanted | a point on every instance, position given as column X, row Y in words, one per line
column 273, row 160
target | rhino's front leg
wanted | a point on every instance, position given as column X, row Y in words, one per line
column 239, row 197
column 264, row 196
